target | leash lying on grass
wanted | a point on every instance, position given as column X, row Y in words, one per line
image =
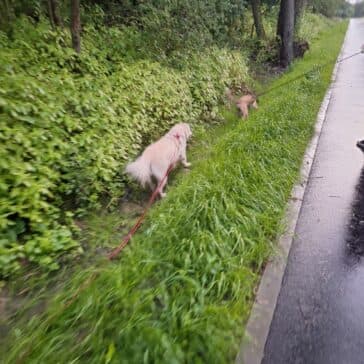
column 114, row 253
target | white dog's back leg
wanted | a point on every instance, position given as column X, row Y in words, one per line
column 184, row 156
column 162, row 179
column 161, row 187
column 151, row 185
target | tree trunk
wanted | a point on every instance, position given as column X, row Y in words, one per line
column 285, row 31
column 258, row 19
column 50, row 13
column 76, row 25
column 6, row 18
column 56, row 14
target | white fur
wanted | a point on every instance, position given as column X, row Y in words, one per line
column 159, row 156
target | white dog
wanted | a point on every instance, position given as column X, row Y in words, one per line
column 161, row 155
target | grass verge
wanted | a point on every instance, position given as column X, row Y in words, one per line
column 182, row 290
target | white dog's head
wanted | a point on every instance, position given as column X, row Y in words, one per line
column 181, row 129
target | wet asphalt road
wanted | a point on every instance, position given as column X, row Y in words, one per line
column 319, row 318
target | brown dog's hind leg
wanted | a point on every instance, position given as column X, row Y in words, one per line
column 244, row 111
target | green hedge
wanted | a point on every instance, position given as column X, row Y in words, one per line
column 69, row 123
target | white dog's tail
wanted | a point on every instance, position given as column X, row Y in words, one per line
column 140, row 170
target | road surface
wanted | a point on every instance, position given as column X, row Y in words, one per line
column 319, row 317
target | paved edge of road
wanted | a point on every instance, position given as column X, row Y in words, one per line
column 257, row 328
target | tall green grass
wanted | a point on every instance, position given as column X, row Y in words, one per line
column 182, row 291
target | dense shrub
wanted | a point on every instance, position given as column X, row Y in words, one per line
column 172, row 24
column 69, row 123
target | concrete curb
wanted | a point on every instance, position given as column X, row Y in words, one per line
column 257, row 328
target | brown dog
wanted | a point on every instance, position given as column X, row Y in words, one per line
column 243, row 103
